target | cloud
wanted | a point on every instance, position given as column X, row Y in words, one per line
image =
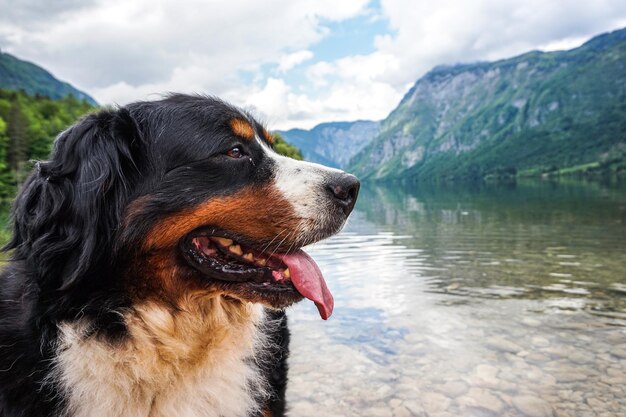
column 30, row 13
column 287, row 62
column 281, row 107
column 453, row 31
column 426, row 34
column 265, row 55
column 126, row 47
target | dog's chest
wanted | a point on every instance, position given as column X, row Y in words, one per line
column 218, row 393
column 146, row 379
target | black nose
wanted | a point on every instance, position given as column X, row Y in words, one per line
column 344, row 189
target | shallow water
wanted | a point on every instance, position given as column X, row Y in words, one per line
column 469, row 301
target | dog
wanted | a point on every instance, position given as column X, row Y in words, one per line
column 152, row 258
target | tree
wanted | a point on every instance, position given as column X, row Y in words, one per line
column 5, row 174
column 17, row 131
column 285, row 148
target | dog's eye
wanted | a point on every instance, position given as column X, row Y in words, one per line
column 235, row 152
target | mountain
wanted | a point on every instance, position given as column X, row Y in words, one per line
column 16, row 74
column 333, row 144
column 535, row 114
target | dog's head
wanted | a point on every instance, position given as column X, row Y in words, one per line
column 168, row 198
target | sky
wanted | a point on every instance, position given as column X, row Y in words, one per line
column 293, row 63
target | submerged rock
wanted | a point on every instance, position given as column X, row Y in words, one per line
column 533, row 406
column 503, row 345
column 481, row 398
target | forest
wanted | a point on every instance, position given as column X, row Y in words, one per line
column 28, row 126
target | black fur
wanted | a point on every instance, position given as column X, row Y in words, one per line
column 277, row 372
column 70, row 245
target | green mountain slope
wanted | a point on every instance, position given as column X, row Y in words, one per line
column 532, row 114
column 335, row 143
column 16, row 74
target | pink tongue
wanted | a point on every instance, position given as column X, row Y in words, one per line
column 308, row 280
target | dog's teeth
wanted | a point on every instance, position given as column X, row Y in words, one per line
column 248, row 257
column 223, row 241
column 286, row 273
column 236, row 249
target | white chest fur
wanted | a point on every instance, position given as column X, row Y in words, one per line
column 198, row 362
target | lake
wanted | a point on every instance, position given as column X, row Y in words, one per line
column 473, row 300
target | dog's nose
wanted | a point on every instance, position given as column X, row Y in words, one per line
column 344, row 189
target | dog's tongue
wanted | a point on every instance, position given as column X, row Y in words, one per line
column 308, row 280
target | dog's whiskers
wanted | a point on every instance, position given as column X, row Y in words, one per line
column 272, row 241
column 288, row 235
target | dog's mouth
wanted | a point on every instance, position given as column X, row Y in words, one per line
column 276, row 278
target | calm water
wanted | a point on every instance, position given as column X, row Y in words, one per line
column 470, row 301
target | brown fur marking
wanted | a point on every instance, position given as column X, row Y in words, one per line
column 268, row 136
column 242, row 128
column 134, row 209
column 250, row 213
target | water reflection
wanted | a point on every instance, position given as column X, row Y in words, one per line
column 477, row 301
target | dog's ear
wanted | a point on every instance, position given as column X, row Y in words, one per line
column 69, row 209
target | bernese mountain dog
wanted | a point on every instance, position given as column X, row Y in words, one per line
column 151, row 261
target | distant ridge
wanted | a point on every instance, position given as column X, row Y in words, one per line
column 16, row 74
column 334, row 143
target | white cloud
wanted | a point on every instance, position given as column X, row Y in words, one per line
column 281, row 107
column 563, row 44
column 145, row 46
column 453, row 31
column 289, row 61
column 250, row 52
